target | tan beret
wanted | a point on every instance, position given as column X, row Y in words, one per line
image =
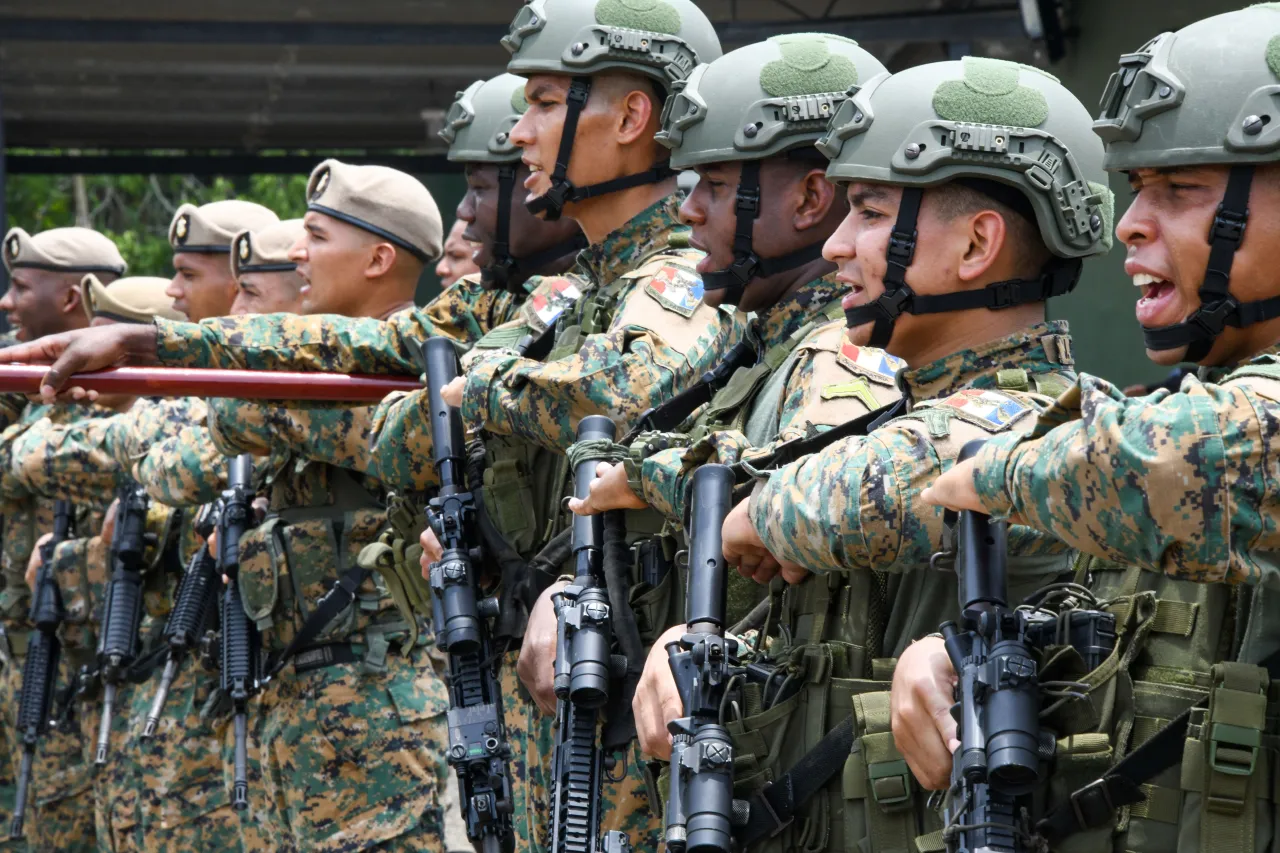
column 210, row 227
column 386, row 202
column 62, row 250
column 266, row 249
column 137, row 299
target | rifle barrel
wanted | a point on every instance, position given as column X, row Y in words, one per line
column 236, row 384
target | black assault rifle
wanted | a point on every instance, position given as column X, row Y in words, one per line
column 192, row 610
column 999, row 695
column 700, row 809
column 478, row 749
column 584, row 666
column 122, row 611
column 40, row 670
column 241, row 658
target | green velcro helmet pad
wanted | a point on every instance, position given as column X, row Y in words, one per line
column 980, row 118
column 1208, row 94
column 655, row 16
column 762, row 99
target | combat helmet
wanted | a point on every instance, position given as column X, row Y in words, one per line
column 1009, row 131
column 1204, row 95
column 772, row 98
column 478, row 130
column 660, row 39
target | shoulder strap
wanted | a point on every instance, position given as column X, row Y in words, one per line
column 672, row 413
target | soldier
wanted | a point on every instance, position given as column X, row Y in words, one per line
column 268, row 279
column 1173, row 488
column 44, row 297
column 203, row 284
column 457, row 258
column 947, row 261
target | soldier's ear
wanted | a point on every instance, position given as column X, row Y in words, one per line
column 636, row 114
column 987, row 235
column 381, row 260
column 817, row 198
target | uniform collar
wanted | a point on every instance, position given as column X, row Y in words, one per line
column 1218, row 373
column 978, row 368
column 647, row 232
column 803, row 306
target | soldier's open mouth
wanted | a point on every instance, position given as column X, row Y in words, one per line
column 1159, row 298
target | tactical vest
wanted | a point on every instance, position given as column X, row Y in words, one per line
column 320, row 520
column 1193, row 645
column 832, row 662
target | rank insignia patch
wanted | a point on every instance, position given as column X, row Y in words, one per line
column 987, row 409
column 875, row 364
column 676, row 290
column 548, row 304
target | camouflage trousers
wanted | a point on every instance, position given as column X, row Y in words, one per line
column 624, row 795
column 60, row 815
column 355, row 761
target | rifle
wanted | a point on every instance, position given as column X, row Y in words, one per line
column 478, row 747
column 584, row 666
column 122, row 612
column 700, row 811
column 191, row 611
column 241, row 659
column 999, row 694
column 40, row 669
column 237, row 384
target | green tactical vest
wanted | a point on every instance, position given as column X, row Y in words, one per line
column 838, row 634
column 1176, row 636
column 320, row 520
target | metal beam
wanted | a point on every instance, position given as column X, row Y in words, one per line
column 209, row 164
column 4, row 219
column 985, row 23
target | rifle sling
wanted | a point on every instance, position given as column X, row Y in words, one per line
column 774, row 806
column 669, row 415
column 339, row 597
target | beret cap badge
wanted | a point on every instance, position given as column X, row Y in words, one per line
column 14, row 245
column 244, row 248
column 181, row 227
column 322, row 184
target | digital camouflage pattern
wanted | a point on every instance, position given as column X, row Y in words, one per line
column 662, row 339
column 464, row 312
column 1175, row 482
column 357, row 761
column 855, row 505
column 531, row 734
column 812, row 398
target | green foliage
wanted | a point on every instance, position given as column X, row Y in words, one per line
column 135, row 210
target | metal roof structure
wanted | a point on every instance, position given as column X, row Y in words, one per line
column 240, row 77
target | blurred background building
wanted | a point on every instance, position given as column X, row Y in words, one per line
column 112, row 114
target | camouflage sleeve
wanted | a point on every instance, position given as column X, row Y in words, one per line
column 1174, row 482
column 184, row 469
column 11, row 408
column 332, row 343
column 80, row 568
column 620, row 374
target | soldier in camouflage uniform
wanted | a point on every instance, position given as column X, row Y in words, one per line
column 947, row 262
column 43, row 298
column 267, row 281
column 1172, row 493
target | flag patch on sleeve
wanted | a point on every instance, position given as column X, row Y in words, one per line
column 549, row 303
column 676, row 290
column 990, row 410
column 875, row 364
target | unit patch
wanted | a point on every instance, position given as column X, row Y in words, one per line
column 875, row 364
column 548, row 304
column 676, row 290
column 988, row 409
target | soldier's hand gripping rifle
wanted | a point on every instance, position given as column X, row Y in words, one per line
column 40, row 670
column 241, row 661
column 999, row 693
column 197, row 592
column 700, row 802
column 584, row 666
column 122, row 611
column 478, row 749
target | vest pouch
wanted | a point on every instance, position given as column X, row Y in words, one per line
column 568, row 341
column 262, row 563
column 508, row 495
column 1078, row 760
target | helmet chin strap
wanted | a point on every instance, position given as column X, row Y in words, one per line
column 1059, row 277
column 562, row 191
column 747, row 265
column 1218, row 308
column 507, row 272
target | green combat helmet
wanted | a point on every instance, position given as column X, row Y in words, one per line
column 478, row 130
column 661, row 39
column 763, row 100
column 1009, row 131
column 1205, row 95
